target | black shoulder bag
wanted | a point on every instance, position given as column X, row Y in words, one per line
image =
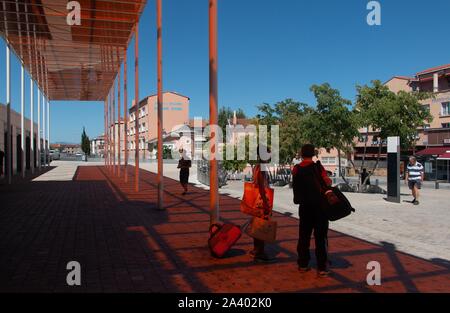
column 337, row 205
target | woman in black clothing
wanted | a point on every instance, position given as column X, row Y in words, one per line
column 184, row 164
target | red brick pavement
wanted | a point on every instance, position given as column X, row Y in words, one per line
column 125, row 245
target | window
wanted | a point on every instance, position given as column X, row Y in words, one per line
column 426, row 126
column 375, row 141
column 328, row 160
column 426, row 107
column 363, row 138
column 445, row 108
column 445, row 125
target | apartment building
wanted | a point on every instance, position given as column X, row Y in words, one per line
column 175, row 113
column 433, row 144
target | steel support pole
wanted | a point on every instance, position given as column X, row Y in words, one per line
column 114, row 127
column 213, row 115
column 125, row 114
column 48, row 127
column 118, row 125
column 104, row 131
column 136, row 103
column 160, row 106
column 107, row 132
column 8, row 151
column 22, row 120
column 32, row 158
column 39, row 127
column 44, row 143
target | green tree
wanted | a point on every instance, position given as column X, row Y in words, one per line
column 288, row 115
column 332, row 124
column 390, row 114
column 225, row 117
column 85, row 143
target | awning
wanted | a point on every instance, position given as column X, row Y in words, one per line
column 70, row 62
column 433, row 151
column 445, row 156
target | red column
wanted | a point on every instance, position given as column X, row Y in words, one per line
column 136, row 103
column 213, row 116
column 160, row 105
column 125, row 113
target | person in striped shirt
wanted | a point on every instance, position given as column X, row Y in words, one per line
column 414, row 178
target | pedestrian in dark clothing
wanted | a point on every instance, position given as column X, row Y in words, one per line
column 364, row 175
column 307, row 193
column 184, row 164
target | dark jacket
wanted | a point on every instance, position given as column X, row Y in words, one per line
column 307, row 192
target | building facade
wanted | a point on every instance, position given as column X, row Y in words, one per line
column 175, row 113
column 16, row 138
column 433, row 139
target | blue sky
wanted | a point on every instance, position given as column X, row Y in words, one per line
column 268, row 51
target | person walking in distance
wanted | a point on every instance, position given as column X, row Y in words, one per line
column 414, row 178
column 184, row 164
column 308, row 195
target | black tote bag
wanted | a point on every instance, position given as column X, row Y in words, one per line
column 337, row 205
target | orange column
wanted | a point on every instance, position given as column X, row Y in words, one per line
column 136, row 103
column 118, row 119
column 125, row 113
column 160, row 105
column 213, row 116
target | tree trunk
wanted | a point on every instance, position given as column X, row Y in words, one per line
column 364, row 157
column 375, row 167
column 340, row 168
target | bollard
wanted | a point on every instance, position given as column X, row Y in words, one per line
column 436, row 184
column 376, row 182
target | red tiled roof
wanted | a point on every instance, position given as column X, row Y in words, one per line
column 404, row 77
column 434, row 69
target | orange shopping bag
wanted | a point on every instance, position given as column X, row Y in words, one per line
column 252, row 203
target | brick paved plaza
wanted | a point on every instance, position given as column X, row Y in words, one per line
column 125, row 245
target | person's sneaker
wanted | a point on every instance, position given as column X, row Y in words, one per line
column 323, row 274
column 304, row 269
column 264, row 258
column 416, row 202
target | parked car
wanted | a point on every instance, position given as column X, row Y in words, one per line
column 55, row 155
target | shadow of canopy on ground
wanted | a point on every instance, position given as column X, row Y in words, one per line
column 124, row 243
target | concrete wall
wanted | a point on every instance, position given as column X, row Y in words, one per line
column 15, row 126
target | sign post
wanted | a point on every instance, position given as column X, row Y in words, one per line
column 393, row 169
